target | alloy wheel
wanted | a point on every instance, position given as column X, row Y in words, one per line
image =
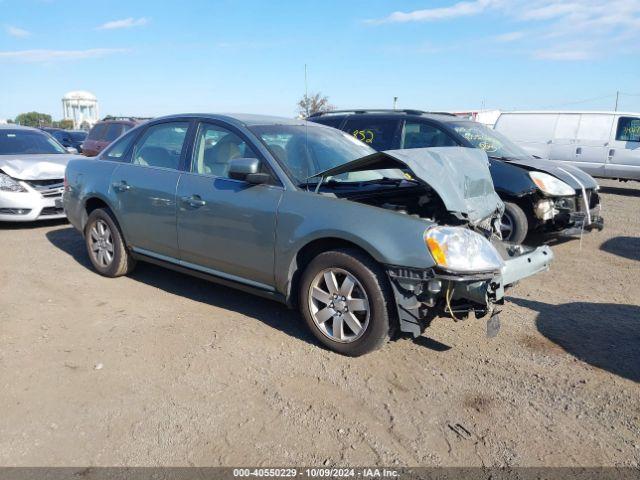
column 339, row 305
column 506, row 226
column 101, row 243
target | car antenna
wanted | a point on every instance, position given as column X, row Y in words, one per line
column 306, row 137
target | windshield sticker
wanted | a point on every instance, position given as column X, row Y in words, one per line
column 365, row 136
column 480, row 140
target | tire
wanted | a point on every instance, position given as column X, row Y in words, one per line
column 102, row 234
column 370, row 289
column 514, row 223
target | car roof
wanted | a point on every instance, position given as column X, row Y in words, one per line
column 405, row 113
column 13, row 126
column 571, row 112
column 244, row 119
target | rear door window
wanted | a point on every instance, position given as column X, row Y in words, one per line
column 378, row 133
column 424, row 135
column 628, row 129
column 161, row 145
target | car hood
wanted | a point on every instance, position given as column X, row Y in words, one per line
column 35, row 167
column 569, row 174
column 460, row 176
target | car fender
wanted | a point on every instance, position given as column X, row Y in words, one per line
column 87, row 179
column 391, row 238
column 511, row 181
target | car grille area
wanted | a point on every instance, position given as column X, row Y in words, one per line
column 47, row 188
column 15, row 211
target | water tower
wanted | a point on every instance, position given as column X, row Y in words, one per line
column 81, row 107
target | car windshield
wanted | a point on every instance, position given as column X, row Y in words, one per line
column 19, row 142
column 495, row 144
column 306, row 151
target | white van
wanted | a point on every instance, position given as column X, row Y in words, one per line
column 604, row 144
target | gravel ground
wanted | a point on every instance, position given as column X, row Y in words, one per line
column 163, row 369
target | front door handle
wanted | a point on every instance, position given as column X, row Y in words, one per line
column 579, row 151
column 612, row 152
column 121, row 186
column 194, row 201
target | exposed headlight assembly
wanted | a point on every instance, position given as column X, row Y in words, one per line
column 8, row 184
column 459, row 249
column 550, row 185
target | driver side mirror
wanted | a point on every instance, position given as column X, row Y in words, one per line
column 247, row 170
column 71, row 150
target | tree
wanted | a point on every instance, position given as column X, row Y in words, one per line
column 33, row 119
column 314, row 103
column 65, row 124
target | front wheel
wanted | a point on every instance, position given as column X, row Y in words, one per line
column 514, row 225
column 346, row 302
column 105, row 245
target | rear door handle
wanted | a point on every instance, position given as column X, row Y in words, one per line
column 194, row 201
column 121, row 186
column 579, row 151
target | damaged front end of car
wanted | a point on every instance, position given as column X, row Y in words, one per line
column 472, row 266
column 567, row 202
column 424, row 294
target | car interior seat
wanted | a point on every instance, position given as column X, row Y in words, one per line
column 217, row 158
column 157, row 157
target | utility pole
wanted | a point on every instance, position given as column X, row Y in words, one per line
column 617, row 97
column 395, row 103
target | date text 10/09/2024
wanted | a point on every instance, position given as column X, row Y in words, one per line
column 316, row 472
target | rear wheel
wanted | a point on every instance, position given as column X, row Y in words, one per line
column 105, row 245
column 346, row 301
column 514, row 225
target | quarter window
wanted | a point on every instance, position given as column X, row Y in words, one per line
column 424, row 135
column 628, row 130
column 116, row 151
column 215, row 148
column 161, row 145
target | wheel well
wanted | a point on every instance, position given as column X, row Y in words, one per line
column 93, row 204
column 308, row 253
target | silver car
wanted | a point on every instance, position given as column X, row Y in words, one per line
column 32, row 165
column 366, row 244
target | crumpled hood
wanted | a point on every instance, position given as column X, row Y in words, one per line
column 460, row 176
column 35, row 167
column 569, row 174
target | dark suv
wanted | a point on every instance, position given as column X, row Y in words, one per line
column 539, row 195
column 105, row 132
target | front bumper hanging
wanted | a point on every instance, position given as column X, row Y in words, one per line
column 422, row 295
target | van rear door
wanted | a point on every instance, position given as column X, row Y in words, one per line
column 623, row 152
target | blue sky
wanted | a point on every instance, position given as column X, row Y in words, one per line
column 156, row 57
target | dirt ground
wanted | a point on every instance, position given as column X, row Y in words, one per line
column 163, row 369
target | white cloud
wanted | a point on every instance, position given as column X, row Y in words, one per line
column 459, row 9
column 509, row 37
column 16, row 32
column 553, row 27
column 124, row 23
column 564, row 55
column 51, row 56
